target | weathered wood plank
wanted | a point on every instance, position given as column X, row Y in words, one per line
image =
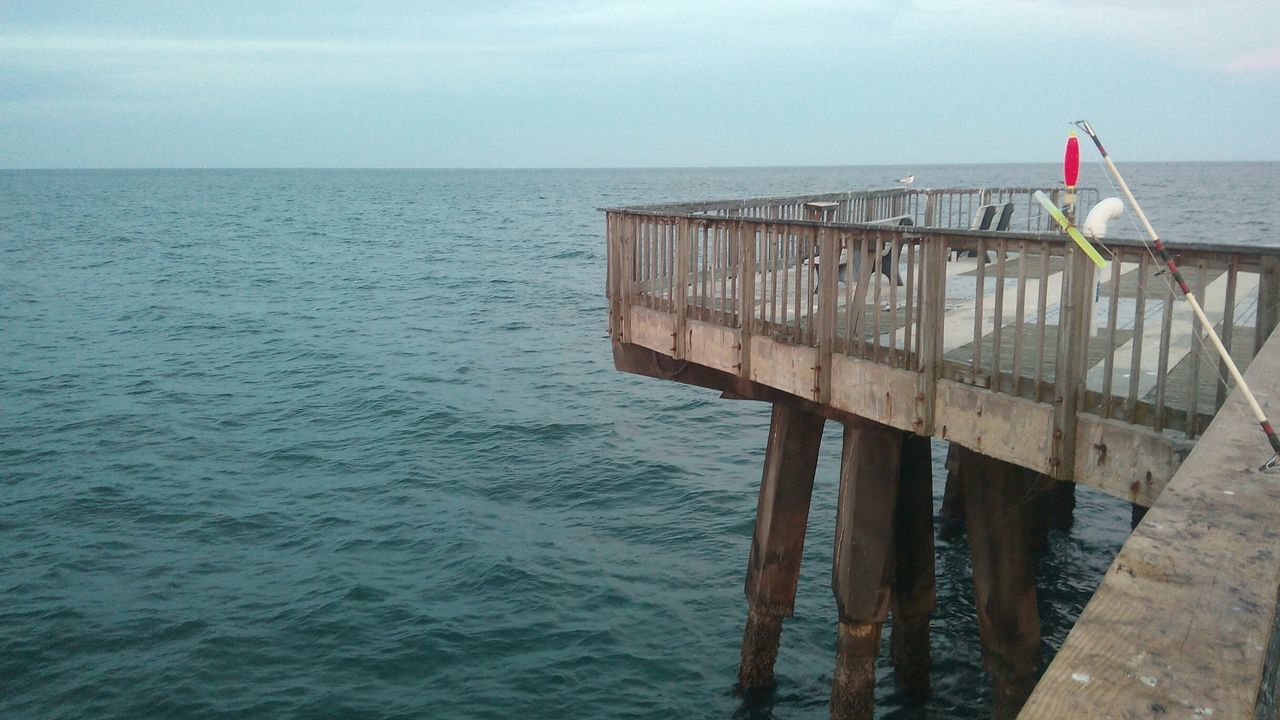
column 1113, row 456
column 712, row 345
column 1181, row 623
column 1012, row 429
column 998, row 317
column 826, row 317
column 790, row 368
column 877, row 392
column 653, row 329
column 1113, row 312
column 1073, row 348
column 1126, row 461
column 746, row 233
column 1019, row 316
column 626, row 282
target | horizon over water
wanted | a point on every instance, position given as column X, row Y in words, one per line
column 349, row 443
column 862, row 169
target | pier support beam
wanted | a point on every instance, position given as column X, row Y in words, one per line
column 853, row 684
column 782, row 515
column 952, row 509
column 1136, row 514
column 914, row 585
column 1062, row 505
column 998, row 521
column 862, row 573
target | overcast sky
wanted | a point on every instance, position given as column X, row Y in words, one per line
column 567, row 83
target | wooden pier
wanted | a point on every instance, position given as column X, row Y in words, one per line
column 905, row 314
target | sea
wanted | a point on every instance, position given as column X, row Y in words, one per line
column 350, row 444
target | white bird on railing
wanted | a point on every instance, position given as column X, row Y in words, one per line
column 908, row 180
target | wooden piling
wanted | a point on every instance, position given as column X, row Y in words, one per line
column 914, row 585
column 952, row 509
column 1136, row 514
column 1062, row 505
column 999, row 526
column 862, row 567
column 1051, row 507
column 853, row 684
column 782, row 513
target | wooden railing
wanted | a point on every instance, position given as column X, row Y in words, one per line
column 1036, row 321
column 937, row 207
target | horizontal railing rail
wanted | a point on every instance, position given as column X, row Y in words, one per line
column 1017, row 313
column 933, row 207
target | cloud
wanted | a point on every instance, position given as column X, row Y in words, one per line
column 1266, row 60
column 535, row 81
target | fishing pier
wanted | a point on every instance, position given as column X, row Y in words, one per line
column 909, row 314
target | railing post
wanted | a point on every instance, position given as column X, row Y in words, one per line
column 746, row 294
column 1268, row 301
column 828, row 286
column 934, row 278
column 1071, row 362
column 612, row 258
column 627, row 266
column 930, row 209
column 680, row 291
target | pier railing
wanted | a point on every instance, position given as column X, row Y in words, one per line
column 935, row 207
column 918, row 326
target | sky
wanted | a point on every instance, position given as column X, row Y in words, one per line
column 604, row 83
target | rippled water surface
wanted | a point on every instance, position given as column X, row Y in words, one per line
column 350, row 444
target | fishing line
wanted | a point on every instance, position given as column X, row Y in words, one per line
column 1202, row 347
column 1187, row 295
column 1199, row 351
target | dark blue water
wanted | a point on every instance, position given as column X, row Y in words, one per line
column 350, row 444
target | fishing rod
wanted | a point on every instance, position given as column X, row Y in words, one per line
column 1187, row 295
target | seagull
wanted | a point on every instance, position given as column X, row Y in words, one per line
column 906, row 181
